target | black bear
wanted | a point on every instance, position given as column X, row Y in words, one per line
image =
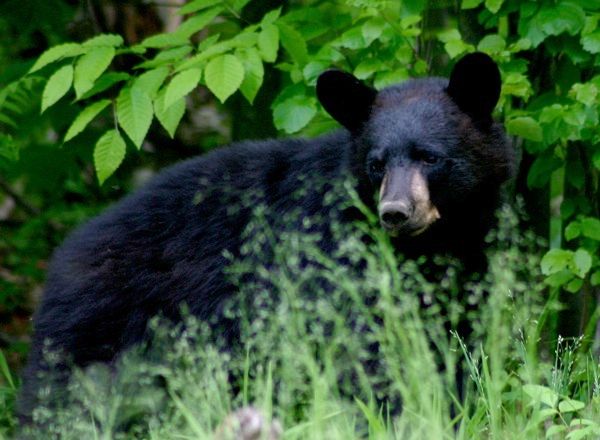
column 425, row 154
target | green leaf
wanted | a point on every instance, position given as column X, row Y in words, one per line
column 312, row 71
column 520, row 45
column 556, row 260
column 492, row 44
column 525, row 127
column 104, row 40
column 268, row 42
column 105, row 82
column 590, row 227
column 351, row 39
column 591, row 42
column 56, row 53
column 182, row 84
column 554, row 430
column 254, row 73
column 134, row 112
column 197, row 5
column 516, row 84
column 540, row 394
column 169, row 117
column 160, row 41
column 555, row 19
column 541, row 169
column 385, row 79
column 457, row 47
column 372, row 29
column 449, row 35
column 559, row 278
column 493, row 5
column 584, row 93
column 57, row 86
column 579, row 422
column 209, row 52
column 574, row 285
column 90, row 66
column 470, row 4
column 595, row 278
column 368, row 67
column 270, row 16
column 197, row 22
column 573, row 230
column 165, row 56
column 85, row 117
column 151, row 81
column 294, row 113
column 224, row 75
column 293, row 42
column 583, row 262
column 579, row 433
column 108, row 154
column 208, row 42
column 569, row 405
column 240, row 41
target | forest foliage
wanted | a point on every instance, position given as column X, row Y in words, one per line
column 89, row 102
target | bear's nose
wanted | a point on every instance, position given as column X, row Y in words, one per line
column 394, row 214
column 394, row 218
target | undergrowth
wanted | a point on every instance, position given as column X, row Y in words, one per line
column 357, row 343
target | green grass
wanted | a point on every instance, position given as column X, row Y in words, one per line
column 363, row 350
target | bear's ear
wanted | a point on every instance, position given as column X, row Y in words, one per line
column 475, row 85
column 345, row 98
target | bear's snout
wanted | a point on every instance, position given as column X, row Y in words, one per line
column 404, row 204
column 395, row 214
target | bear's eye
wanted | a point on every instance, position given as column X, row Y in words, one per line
column 429, row 158
column 377, row 166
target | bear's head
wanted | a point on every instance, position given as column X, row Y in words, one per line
column 426, row 149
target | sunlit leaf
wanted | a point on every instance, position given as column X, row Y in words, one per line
column 224, row 75
column 134, row 112
column 169, row 117
column 541, row 394
column 583, row 262
column 104, row 40
column 85, row 117
column 294, row 113
column 254, row 73
column 57, row 86
column 182, row 84
column 105, row 82
column 293, row 43
column 268, row 42
column 151, row 81
column 525, row 127
column 569, row 405
column 556, row 260
column 56, row 53
column 590, row 227
column 197, row 5
column 108, row 154
column 90, row 66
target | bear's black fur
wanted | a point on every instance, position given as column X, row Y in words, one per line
column 427, row 148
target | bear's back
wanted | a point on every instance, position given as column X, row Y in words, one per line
column 163, row 245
